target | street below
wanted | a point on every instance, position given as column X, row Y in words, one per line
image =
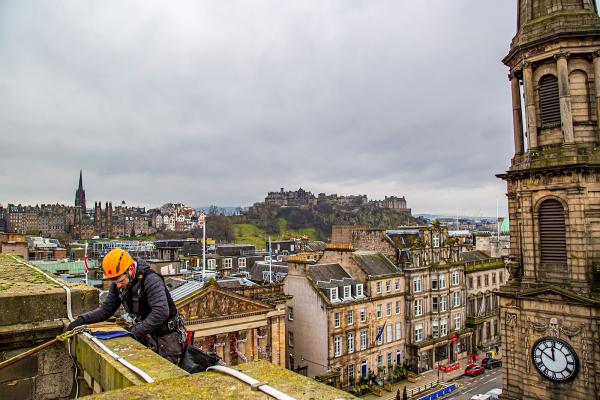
column 470, row 386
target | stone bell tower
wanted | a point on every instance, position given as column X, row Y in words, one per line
column 550, row 309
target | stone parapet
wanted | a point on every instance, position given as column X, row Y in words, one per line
column 27, row 296
column 215, row 386
column 103, row 373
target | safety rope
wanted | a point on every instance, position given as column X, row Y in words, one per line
column 254, row 384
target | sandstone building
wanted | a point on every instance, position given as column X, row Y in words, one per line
column 346, row 315
column 484, row 276
column 550, row 309
column 240, row 324
column 436, row 292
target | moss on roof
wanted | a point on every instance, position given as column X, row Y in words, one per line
column 18, row 279
column 215, row 385
column 484, row 266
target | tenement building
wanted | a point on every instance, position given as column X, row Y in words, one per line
column 484, row 276
column 436, row 294
column 550, row 308
column 346, row 316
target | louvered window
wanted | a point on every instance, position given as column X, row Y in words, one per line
column 549, row 101
column 553, row 244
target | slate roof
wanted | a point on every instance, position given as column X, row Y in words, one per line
column 327, row 272
column 186, row 289
column 470, row 256
column 374, row 263
column 315, row 246
column 256, row 270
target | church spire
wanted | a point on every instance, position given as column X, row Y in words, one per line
column 80, row 193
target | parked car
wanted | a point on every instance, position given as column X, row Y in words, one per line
column 474, row 370
column 480, row 397
column 494, row 393
column 491, row 363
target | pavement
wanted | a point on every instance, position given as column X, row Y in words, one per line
column 422, row 380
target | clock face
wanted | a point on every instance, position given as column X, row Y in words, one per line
column 555, row 359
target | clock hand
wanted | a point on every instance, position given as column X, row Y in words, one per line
column 552, row 351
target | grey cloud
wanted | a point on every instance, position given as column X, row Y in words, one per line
column 220, row 102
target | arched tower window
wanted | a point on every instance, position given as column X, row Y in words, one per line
column 549, row 101
column 580, row 96
column 553, row 243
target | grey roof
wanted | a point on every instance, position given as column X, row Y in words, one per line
column 186, row 289
column 232, row 282
column 315, row 246
column 327, row 272
column 256, row 270
column 374, row 263
column 476, row 255
column 402, row 232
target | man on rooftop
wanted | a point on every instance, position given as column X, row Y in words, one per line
column 147, row 301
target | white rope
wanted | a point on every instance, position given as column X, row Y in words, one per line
column 255, row 384
column 117, row 357
column 67, row 289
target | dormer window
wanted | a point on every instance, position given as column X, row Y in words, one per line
column 435, row 240
column 347, row 292
column 359, row 290
column 211, row 263
column 333, row 294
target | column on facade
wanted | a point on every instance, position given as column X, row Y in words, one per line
column 274, row 340
column 282, row 341
column 566, row 115
column 597, row 86
column 256, row 353
column 250, row 348
column 517, row 114
column 530, row 107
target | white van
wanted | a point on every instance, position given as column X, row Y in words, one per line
column 481, row 397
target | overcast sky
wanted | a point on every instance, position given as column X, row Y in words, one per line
column 219, row 102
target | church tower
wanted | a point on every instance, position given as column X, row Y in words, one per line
column 80, row 194
column 550, row 308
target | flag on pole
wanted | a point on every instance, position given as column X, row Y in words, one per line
column 86, row 266
column 380, row 332
column 270, row 262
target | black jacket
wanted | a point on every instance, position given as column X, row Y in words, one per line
column 146, row 298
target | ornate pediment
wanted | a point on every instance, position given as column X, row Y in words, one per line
column 557, row 294
column 216, row 303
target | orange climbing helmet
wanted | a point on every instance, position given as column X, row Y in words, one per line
column 116, row 262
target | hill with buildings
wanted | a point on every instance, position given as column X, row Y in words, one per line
column 300, row 210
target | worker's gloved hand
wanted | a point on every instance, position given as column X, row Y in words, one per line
column 131, row 329
column 77, row 322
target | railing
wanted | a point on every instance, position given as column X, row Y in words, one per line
column 421, row 389
column 478, row 319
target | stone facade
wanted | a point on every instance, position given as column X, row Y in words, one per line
column 359, row 333
column 553, row 200
column 484, row 277
column 239, row 326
